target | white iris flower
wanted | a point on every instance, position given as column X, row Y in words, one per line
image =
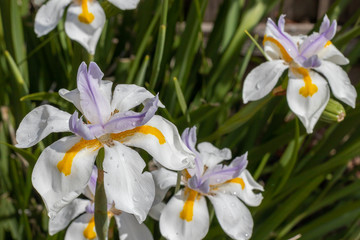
column 64, row 168
column 84, row 22
column 313, row 63
column 186, row 215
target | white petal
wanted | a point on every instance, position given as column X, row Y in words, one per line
column 67, row 214
column 125, row 185
column 172, row 154
column 130, row 229
column 128, row 96
column 49, row 15
column 156, row 210
column 164, row 180
column 55, row 188
column 39, row 123
column 262, row 79
column 247, row 193
column 211, row 155
column 233, row 216
column 125, row 4
column 77, row 228
column 332, row 54
column 339, row 81
column 308, row 109
column 86, row 34
column 175, row 228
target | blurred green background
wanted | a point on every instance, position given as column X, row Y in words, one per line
column 196, row 54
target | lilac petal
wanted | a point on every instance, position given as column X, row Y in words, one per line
column 280, row 35
column 222, row 173
column 128, row 120
column 199, row 185
column 78, row 127
column 312, row 62
column 93, row 179
column 189, row 138
column 95, row 105
column 316, row 41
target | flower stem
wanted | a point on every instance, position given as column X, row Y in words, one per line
column 177, row 188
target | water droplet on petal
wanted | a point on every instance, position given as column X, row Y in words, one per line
column 184, row 161
column 135, row 199
column 257, row 86
column 234, row 193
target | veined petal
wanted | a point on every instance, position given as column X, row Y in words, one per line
column 330, row 53
column 39, row 123
column 211, row 155
column 262, row 79
column 125, row 4
column 63, row 171
column 67, row 214
column 87, row 34
column 339, row 81
column 129, row 228
column 125, row 185
column 49, row 15
column 196, row 224
column 78, row 127
column 243, row 187
column 233, row 216
column 164, row 180
column 128, row 96
column 160, row 138
column 83, row 228
column 94, row 103
column 308, row 108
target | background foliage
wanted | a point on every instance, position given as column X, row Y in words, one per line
column 311, row 182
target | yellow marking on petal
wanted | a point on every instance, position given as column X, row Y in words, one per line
column 309, row 89
column 89, row 232
column 188, row 209
column 142, row 129
column 237, row 180
column 328, row 43
column 65, row 164
column 85, row 16
column 283, row 51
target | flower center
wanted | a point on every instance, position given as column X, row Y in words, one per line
column 85, row 16
column 309, row 89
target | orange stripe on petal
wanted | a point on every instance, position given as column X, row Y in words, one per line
column 65, row 164
column 283, row 51
column 328, row 43
column 89, row 232
column 188, row 209
column 237, row 180
column 142, row 129
column 309, row 89
column 85, row 16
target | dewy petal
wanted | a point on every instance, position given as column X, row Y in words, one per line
column 332, row 54
column 211, row 155
column 284, row 39
column 309, row 108
column 339, row 81
column 164, row 144
column 173, row 227
column 49, row 15
column 129, row 228
column 78, row 127
column 63, row 171
column 86, row 34
column 123, row 121
column 125, row 4
column 316, row 41
column 243, row 187
column 233, row 216
column 94, row 103
column 164, row 180
column 39, row 123
column 83, row 225
column 67, row 214
column 125, row 185
column 128, row 96
column 262, row 79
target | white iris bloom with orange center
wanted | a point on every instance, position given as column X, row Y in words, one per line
column 64, row 168
column 84, row 22
column 79, row 215
column 313, row 64
column 186, row 215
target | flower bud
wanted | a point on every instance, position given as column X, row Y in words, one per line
column 334, row 112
